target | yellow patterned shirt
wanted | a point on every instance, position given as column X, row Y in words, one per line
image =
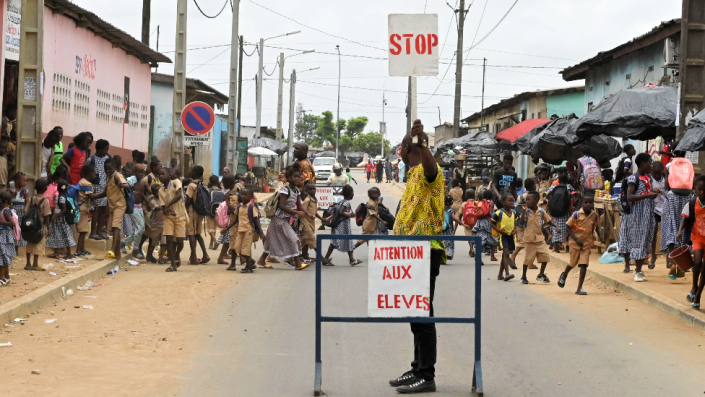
column 422, row 205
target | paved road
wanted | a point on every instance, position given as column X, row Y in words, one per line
column 263, row 342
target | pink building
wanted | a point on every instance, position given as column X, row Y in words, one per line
column 97, row 78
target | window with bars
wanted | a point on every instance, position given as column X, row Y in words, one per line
column 118, row 114
column 81, row 98
column 61, row 93
column 102, row 111
column 144, row 117
column 134, row 114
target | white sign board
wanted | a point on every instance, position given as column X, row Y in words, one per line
column 413, row 44
column 399, row 279
column 325, row 197
column 12, row 30
column 197, row 140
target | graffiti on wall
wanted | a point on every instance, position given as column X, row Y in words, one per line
column 86, row 66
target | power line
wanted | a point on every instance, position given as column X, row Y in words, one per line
column 386, row 90
column 482, row 16
column 317, row 30
column 223, row 52
column 494, row 27
column 208, row 16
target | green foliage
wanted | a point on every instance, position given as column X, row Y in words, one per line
column 370, row 143
column 305, row 129
column 325, row 132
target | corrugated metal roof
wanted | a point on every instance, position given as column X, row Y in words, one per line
column 194, row 86
column 119, row 38
column 658, row 33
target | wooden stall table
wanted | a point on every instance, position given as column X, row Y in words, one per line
column 610, row 221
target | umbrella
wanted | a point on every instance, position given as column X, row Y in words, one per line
column 268, row 143
column 694, row 138
column 552, row 143
column 639, row 113
column 261, row 151
column 513, row 133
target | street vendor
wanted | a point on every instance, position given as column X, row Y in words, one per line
column 460, row 173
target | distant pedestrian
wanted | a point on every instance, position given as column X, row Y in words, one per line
column 449, row 223
column 61, row 234
column 503, row 223
column 483, row 227
column 368, row 169
column 8, row 250
column 349, row 175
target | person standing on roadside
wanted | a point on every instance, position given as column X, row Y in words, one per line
column 421, row 213
column 368, row 170
column 504, row 180
column 301, row 157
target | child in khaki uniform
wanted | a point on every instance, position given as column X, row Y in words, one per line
column 45, row 211
column 84, row 201
column 171, row 198
column 307, row 226
column 581, row 226
column 230, row 186
column 247, row 226
column 156, row 223
column 369, row 226
column 116, row 183
column 535, row 220
column 194, row 227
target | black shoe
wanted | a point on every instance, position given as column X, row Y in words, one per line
column 524, row 280
column 543, row 277
column 407, row 378
column 419, row 385
column 561, row 280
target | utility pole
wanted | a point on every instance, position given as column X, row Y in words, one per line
column 408, row 108
column 337, row 123
column 146, row 9
column 177, row 144
column 292, row 105
column 383, row 126
column 691, row 71
column 233, row 101
column 239, row 87
column 482, row 108
column 280, row 97
column 459, row 69
column 258, row 122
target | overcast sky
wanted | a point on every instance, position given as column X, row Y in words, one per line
column 547, row 35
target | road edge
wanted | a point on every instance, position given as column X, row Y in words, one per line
column 50, row 293
column 645, row 295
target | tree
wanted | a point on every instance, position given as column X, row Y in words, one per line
column 325, row 132
column 370, row 143
column 305, row 128
column 353, row 127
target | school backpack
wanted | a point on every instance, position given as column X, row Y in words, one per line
column 272, row 205
column 51, row 193
column 625, row 206
column 680, row 176
column 385, row 215
column 592, row 175
column 202, row 202
column 129, row 196
column 360, row 214
column 72, row 213
column 619, row 175
column 16, row 229
column 32, row 225
column 221, row 215
column 559, row 203
column 474, row 210
column 331, row 215
column 217, row 197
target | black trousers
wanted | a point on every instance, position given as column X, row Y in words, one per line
column 424, row 363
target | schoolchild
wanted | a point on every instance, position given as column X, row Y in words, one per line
column 536, row 219
column 503, row 221
column 693, row 223
column 581, row 227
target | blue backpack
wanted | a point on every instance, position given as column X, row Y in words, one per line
column 72, row 205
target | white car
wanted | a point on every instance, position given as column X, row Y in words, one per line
column 323, row 167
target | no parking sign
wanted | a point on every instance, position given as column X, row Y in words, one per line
column 198, row 119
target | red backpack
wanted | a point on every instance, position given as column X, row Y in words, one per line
column 473, row 210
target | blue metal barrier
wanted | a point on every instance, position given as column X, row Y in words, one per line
column 477, row 387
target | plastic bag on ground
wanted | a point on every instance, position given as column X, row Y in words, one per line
column 612, row 254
